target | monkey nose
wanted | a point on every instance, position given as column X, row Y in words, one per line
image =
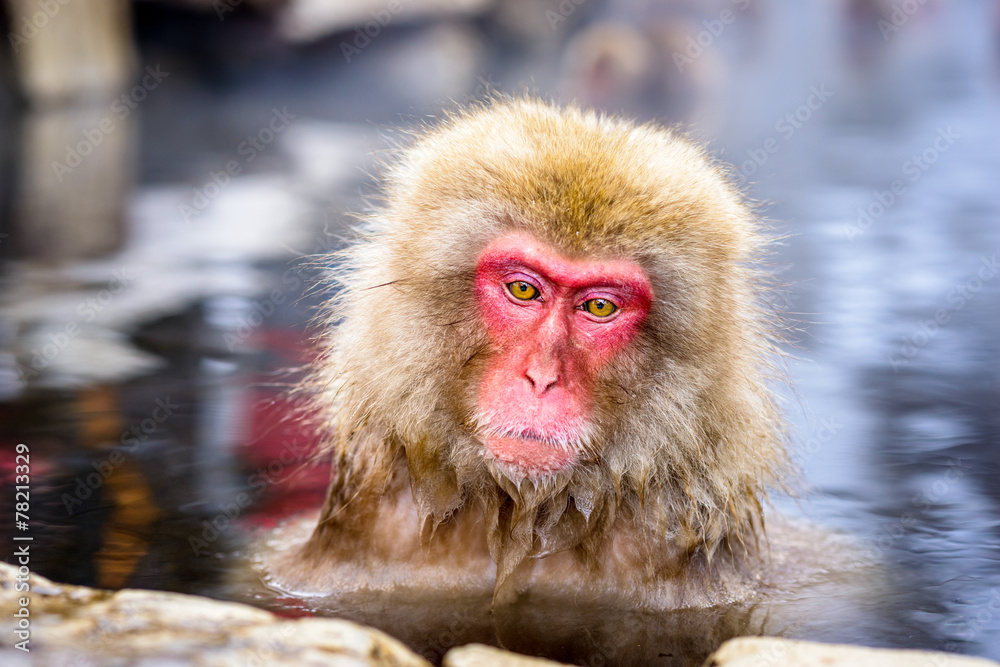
column 542, row 377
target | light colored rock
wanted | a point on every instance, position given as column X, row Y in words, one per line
column 774, row 652
column 83, row 626
column 480, row 655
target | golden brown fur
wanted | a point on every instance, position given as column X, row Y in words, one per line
column 667, row 510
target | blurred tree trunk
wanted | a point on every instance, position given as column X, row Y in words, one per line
column 74, row 61
column 70, row 50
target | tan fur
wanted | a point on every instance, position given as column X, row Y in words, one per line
column 665, row 510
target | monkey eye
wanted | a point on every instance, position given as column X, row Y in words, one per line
column 599, row 307
column 522, row 290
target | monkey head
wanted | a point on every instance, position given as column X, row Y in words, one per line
column 554, row 317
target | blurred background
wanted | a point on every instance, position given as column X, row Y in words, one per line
column 170, row 168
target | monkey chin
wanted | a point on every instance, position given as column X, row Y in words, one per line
column 528, row 456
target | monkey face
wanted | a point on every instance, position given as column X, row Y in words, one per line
column 554, row 323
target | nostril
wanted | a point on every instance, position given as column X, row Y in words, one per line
column 542, row 379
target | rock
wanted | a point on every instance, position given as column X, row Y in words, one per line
column 773, row 652
column 479, row 655
column 79, row 625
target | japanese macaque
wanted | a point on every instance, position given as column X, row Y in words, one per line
column 549, row 371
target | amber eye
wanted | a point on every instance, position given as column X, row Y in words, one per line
column 600, row 307
column 522, row 290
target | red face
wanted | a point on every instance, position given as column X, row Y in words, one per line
column 554, row 323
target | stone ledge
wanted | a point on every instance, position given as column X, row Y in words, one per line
column 138, row 627
column 775, row 652
column 480, row 655
column 128, row 627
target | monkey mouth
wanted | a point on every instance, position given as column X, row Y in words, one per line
column 529, row 454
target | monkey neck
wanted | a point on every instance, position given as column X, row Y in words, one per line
column 508, row 542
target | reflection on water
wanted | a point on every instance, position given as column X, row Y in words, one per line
column 551, row 628
column 815, row 575
column 152, row 316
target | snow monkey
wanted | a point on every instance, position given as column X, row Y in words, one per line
column 548, row 370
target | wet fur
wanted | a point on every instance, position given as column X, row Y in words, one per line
column 665, row 508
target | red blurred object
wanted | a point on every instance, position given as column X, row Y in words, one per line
column 284, row 475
